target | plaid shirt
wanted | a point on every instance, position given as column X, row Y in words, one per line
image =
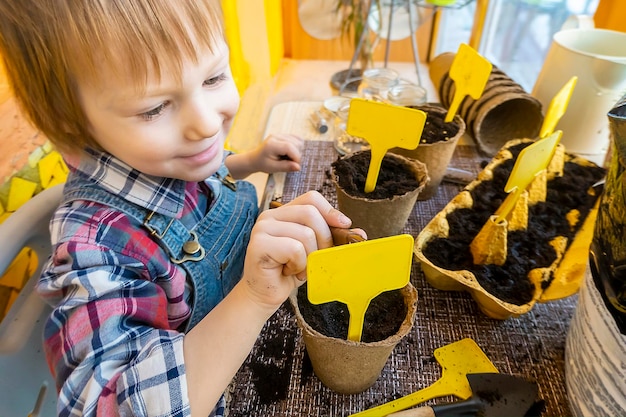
column 114, row 340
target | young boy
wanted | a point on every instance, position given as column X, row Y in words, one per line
column 160, row 278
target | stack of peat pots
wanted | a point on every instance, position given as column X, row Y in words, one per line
column 503, row 112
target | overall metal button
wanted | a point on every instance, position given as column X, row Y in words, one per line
column 192, row 249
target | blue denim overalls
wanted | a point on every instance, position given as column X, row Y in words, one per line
column 212, row 252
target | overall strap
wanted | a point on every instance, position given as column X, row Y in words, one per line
column 169, row 232
column 212, row 253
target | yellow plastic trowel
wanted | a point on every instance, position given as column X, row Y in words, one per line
column 355, row 274
column 470, row 72
column 457, row 360
column 557, row 107
column 383, row 126
column 531, row 161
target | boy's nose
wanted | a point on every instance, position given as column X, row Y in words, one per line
column 201, row 120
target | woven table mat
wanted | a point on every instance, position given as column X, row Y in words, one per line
column 277, row 378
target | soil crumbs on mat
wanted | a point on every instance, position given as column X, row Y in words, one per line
column 383, row 317
column 528, row 249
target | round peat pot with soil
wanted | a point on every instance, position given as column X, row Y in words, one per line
column 346, row 366
column 436, row 145
column 384, row 211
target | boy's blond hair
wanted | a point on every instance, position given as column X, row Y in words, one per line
column 49, row 46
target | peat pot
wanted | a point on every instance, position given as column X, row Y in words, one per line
column 346, row 366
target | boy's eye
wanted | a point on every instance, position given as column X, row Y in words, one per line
column 151, row 114
column 215, row 80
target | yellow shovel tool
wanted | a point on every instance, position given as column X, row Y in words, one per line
column 557, row 107
column 355, row 274
column 383, row 126
column 531, row 161
column 457, row 360
column 470, row 72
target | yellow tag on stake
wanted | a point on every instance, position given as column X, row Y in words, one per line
column 557, row 107
column 531, row 161
column 383, row 126
column 355, row 274
column 470, row 72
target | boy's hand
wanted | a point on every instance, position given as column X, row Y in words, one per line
column 280, row 242
column 277, row 153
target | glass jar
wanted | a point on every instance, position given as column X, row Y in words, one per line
column 407, row 94
column 344, row 143
column 376, row 83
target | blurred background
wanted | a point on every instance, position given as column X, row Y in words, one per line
column 517, row 33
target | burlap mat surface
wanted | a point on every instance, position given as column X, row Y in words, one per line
column 277, row 379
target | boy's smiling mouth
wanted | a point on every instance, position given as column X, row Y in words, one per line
column 205, row 155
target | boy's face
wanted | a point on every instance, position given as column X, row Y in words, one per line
column 174, row 129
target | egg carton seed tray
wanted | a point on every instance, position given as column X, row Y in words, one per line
column 545, row 261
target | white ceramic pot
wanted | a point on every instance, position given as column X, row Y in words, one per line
column 595, row 358
column 598, row 58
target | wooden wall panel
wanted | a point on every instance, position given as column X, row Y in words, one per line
column 300, row 45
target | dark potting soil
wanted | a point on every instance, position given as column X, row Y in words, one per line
column 383, row 317
column 394, row 178
column 271, row 366
column 435, row 128
column 528, row 249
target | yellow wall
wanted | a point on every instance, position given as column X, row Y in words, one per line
column 255, row 36
column 256, row 43
column 611, row 14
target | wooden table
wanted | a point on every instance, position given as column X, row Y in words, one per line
column 277, row 378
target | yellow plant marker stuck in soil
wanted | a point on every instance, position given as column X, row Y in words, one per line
column 384, row 126
column 470, row 72
column 531, row 161
column 557, row 108
column 355, row 274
